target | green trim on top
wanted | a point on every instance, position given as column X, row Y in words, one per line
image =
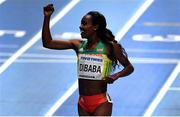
column 99, row 49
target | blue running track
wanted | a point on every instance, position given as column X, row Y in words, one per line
column 33, row 79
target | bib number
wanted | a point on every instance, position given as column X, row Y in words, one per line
column 90, row 67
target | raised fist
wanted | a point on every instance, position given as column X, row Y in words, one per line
column 48, row 10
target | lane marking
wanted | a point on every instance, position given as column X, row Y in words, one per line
column 71, row 59
column 133, row 19
column 174, row 89
column 2, row 1
column 168, row 24
column 39, row 55
column 153, row 105
column 155, row 51
column 38, row 61
column 16, row 33
column 33, row 40
column 61, row 100
column 154, row 60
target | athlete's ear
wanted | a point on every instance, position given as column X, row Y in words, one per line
column 96, row 27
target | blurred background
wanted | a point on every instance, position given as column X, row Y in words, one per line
column 35, row 81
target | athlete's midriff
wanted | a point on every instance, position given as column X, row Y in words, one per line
column 93, row 67
column 92, row 87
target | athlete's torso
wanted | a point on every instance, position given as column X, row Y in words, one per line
column 93, row 67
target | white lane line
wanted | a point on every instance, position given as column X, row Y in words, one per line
column 154, row 51
column 175, row 24
column 61, row 100
column 153, row 105
column 154, row 60
column 174, row 89
column 72, row 59
column 38, row 61
column 2, row 1
column 39, row 55
column 16, row 33
column 133, row 19
column 33, row 40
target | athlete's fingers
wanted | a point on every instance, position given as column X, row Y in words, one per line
column 49, row 7
column 48, row 10
column 109, row 80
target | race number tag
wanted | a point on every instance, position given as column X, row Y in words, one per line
column 90, row 66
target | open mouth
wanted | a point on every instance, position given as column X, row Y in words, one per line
column 82, row 32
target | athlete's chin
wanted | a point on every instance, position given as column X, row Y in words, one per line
column 83, row 36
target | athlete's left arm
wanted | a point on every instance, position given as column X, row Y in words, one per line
column 124, row 61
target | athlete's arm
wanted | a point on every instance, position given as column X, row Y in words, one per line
column 128, row 68
column 47, row 40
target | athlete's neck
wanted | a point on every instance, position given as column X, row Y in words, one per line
column 92, row 43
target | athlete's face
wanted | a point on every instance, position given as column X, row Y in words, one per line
column 87, row 29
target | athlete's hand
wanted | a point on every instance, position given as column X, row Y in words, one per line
column 48, row 10
column 109, row 79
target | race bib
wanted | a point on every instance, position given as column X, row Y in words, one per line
column 90, row 66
